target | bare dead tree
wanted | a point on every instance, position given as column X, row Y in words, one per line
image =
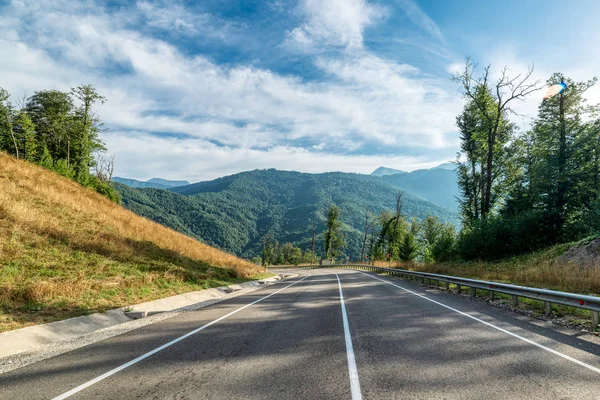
column 503, row 91
column 368, row 224
column 399, row 204
column 104, row 168
column 314, row 230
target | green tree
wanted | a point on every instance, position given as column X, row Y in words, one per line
column 269, row 250
column 408, row 247
column 7, row 123
column 25, row 132
column 334, row 238
column 443, row 247
column 51, row 112
column 88, row 127
column 558, row 163
column 492, row 102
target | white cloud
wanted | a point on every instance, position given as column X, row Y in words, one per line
column 143, row 157
column 334, row 23
column 365, row 101
column 421, row 19
column 173, row 16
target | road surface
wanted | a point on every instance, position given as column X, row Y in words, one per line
column 327, row 334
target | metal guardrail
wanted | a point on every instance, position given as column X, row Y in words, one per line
column 549, row 297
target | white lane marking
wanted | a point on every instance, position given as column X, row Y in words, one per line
column 541, row 346
column 164, row 346
column 354, row 382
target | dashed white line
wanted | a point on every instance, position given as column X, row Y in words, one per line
column 354, row 382
column 541, row 346
column 164, row 346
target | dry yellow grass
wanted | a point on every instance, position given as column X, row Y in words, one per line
column 543, row 269
column 66, row 250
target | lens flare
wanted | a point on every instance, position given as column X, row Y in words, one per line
column 554, row 90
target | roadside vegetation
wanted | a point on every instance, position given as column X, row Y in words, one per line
column 546, row 268
column 66, row 250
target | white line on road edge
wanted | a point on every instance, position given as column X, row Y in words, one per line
column 354, row 382
column 541, row 346
column 164, row 346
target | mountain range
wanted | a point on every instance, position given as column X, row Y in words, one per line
column 437, row 185
column 235, row 212
column 156, row 183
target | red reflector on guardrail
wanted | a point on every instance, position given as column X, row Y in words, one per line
column 581, row 302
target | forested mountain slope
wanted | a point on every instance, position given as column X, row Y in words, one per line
column 235, row 212
column 437, row 185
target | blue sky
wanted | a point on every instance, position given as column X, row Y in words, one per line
column 198, row 90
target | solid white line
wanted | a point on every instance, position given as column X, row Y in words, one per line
column 541, row 346
column 354, row 382
column 164, row 346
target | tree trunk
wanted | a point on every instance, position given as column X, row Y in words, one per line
column 362, row 250
column 313, row 243
column 481, row 186
column 485, row 208
column 12, row 133
column 474, row 183
column 562, row 160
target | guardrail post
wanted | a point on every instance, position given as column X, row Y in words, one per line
column 448, row 286
column 595, row 319
column 492, row 297
column 515, row 301
column 547, row 308
column 473, row 292
column 458, row 288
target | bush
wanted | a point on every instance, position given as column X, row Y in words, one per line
column 107, row 190
column 496, row 237
column 442, row 249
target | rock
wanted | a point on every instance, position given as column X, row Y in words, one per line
column 584, row 255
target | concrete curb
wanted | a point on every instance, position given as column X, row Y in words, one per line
column 35, row 337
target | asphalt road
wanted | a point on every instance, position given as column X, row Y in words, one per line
column 387, row 339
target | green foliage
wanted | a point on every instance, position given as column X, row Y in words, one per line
column 443, row 248
column 46, row 158
column 437, row 240
column 334, row 238
column 52, row 131
column 497, row 236
column 408, row 247
column 546, row 182
column 269, row 251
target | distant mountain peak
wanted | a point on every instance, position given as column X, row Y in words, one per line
column 156, row 183
column 384, row 171
column 167, row 182
column 448, row 165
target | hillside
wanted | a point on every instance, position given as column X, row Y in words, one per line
column 66, row 250
column 156, row 183
column 235, row 212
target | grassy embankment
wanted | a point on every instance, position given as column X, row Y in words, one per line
column 543, row 269
column 67, row 251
